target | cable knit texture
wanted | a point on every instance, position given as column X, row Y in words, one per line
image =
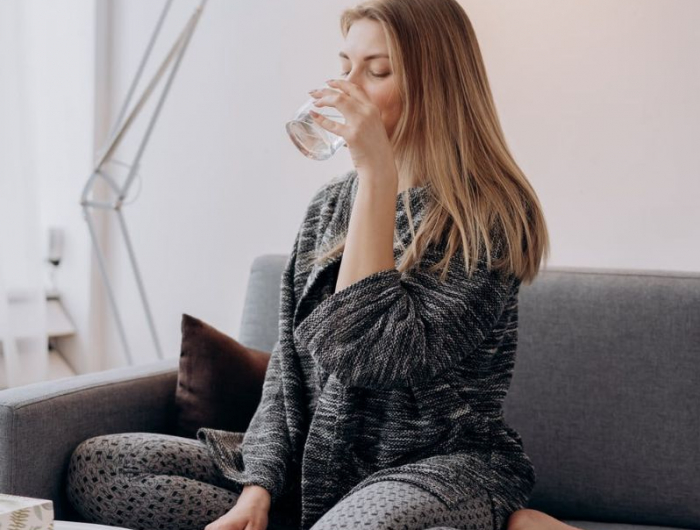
column 398, row 376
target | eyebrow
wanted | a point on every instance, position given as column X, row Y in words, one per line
column 368, row 58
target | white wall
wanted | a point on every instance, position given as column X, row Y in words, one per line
column 222, row 182
column 598, row 100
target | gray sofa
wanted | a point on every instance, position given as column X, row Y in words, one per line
column 605, row 394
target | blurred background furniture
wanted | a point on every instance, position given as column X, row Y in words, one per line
column 59, row 326
column 605, row 395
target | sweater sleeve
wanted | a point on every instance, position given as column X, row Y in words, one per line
column 258, row 456
column 261, row 456
column 266, row 448
column 270, row 448
column 390, row 329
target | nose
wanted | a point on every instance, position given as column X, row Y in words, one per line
column 353, row 77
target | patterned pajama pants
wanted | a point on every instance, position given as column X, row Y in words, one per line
column 148, row 481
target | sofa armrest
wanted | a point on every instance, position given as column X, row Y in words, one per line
column 42, row 423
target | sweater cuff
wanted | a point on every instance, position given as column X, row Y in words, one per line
column 225, row 450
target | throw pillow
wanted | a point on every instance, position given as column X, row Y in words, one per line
column 219, row 382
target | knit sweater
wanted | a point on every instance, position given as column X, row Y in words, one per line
column 398, row 376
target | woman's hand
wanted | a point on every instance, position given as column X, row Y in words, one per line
column 249, row 513
column 363, row 130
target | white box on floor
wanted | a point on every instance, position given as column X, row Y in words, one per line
column 25, row 513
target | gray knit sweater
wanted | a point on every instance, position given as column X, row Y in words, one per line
column 395, row 377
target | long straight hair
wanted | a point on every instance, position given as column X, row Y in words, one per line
column 449, row 139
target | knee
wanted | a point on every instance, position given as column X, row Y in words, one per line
column 82, row 457
column 89, row 454
column 90, row 466
column 524, row 519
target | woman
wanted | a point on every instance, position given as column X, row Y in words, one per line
column 381, row 405
column 383, row 395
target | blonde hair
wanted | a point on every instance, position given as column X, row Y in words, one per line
column 449, row 138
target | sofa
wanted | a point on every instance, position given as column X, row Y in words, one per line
column 605, row 395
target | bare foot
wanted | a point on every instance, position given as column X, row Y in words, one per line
column 527, row 519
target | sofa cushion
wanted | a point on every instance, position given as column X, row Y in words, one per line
column 219, row 381
column 605, row 394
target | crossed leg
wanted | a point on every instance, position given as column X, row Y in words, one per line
column 397, row 505
column 147, row 481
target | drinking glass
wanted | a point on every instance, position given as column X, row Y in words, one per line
column 310, row 138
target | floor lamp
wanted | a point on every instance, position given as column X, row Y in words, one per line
column 119, row 129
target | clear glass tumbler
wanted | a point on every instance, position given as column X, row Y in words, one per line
column 310, row 138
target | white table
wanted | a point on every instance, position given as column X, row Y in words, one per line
column 70, row 525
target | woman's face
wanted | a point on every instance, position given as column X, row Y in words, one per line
column 364, row 40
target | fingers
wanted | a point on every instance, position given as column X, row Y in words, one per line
column 238, row 521
column 255, row 525
column 349, row 88
column 350, row 100
column 328, row 124
column 327, row 97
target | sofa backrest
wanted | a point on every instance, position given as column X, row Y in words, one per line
column 605, row 391
column 260, row 318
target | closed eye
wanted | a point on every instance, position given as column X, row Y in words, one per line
column 372, row 73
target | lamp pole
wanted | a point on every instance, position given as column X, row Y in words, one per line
column 121, row 126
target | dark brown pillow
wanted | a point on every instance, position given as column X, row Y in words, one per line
column 219, row 381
